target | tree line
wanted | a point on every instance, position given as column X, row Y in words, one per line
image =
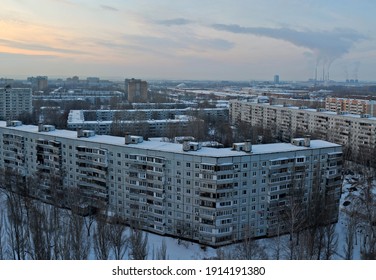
column 31, row 229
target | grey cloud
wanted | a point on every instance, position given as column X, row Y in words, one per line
column 109, row 8
column 217, row 44
column 166, row 46
column 328, row 44
column 182, row 42
column 36, row 47
column 175, row 21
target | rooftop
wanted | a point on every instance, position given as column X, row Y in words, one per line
column 157, row 144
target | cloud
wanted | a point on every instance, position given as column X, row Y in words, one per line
column 175, row 21
column 327, row 44
column 165, row 46
column 36, row 47
column 181, row 42
column 109, row 8
column 213, row 44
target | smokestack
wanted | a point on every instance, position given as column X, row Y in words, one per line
column 316, row 74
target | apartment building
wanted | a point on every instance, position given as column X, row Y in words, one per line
column 136, row 90
column 352, row 106
column 15, row 101
column 153, row 122
column 39, row 83
column 285, row 122
column 212, row 196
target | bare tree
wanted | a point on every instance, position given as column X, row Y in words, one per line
column 161, row 253
column 38, row 225
column 117, row 237
column 250, row 249
column 79, row 241
column 294, row 216
column 3, row 225
column 138, row 244
column 330, row 241
column 17, row 233
column 102, row 243
column 63, row 244
column 350, row 237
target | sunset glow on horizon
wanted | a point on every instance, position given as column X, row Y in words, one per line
column 238, row 40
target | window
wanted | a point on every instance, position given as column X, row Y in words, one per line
column 301, row 159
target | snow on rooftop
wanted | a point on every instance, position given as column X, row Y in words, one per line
column 173, row 147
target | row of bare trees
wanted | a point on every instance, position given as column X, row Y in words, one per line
column 360, row 211
column 36, row 230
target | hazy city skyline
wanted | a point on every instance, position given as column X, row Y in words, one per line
column 232, row 40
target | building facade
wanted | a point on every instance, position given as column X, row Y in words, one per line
column 285, row 122
column 137, row 90
column 15, row 101
column 39, row 83
column 208, row 195
column 352, row 106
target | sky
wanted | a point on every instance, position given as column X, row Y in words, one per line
column 195, row 39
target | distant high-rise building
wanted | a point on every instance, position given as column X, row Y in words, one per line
column 276, row 79
column 14, row 101
column 39, row 83
column 92, row 81
column 136, row 90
